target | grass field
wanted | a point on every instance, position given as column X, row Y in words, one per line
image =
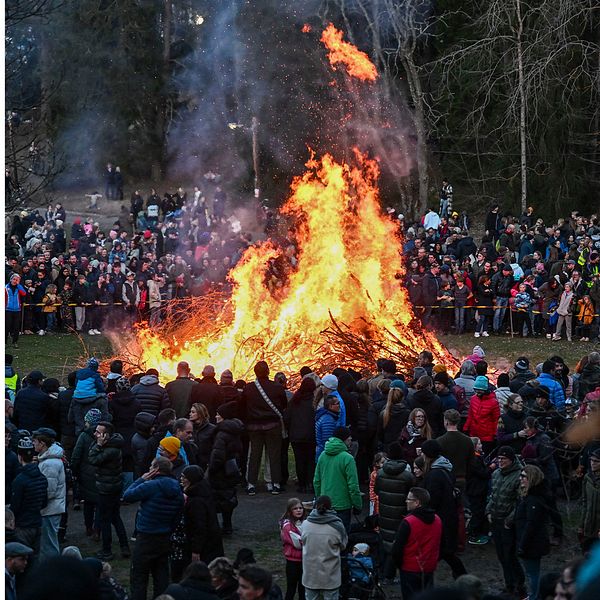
column 57, row 355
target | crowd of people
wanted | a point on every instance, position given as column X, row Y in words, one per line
column 524, row 277
column 430, row 460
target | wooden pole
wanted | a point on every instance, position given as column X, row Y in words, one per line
column 255, row 156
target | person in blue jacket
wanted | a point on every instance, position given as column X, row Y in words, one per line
column 161, row 506
column 89, row 393
column 326, row 422
column 555, row 389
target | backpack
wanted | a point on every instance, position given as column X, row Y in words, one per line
column 460, row 395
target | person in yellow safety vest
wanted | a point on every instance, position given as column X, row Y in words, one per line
column 12, row 381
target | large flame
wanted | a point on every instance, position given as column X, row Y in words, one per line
column 357, row 62
column 348, row 266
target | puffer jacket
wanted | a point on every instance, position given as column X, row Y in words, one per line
column 226, row 445
column 81, row 467
column 53, row 469
column 557, row 392
column 393, row 482
column 151, row 395
column 32, row 406
column 531, row 516
column 440, row 482
column 161, row 503
column 505, row 492
column 80, row 406
column 482, row 420
column 124, row 408
column 88, row 383
column 203, row 439
column 108, row 462
column 29, row 496
column 144, row 422
column 326, row 422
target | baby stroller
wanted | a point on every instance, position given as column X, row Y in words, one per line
column 360, row 577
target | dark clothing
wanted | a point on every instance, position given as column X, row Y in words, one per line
column 109, row 515
column 459, row 450
column 83, row 471
column 506, row 550
column 29, row 496
column 124, row 409
column 11, row 468
column 80, row 406
column 299, row 418
column 203, row 439
column 227, row 445
column 181, row 391
column 519, row 380
column 150, row 556
column 509, row 425
column 428, row 402
column 208, row 392
column 393, row 482
column 589, row 380
column 60, row 408
column 139, row 442
column 191, row 589
column 32, row 408
column 531, row 516
column 151, row 395
column 108, row 462
column 203, row 535
column 256, row 410
column 386, row 434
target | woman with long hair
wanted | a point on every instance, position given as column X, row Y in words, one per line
column 531, row 516
column 291, row 533
column 203, row 433
column 416, row 431
column 393, row 417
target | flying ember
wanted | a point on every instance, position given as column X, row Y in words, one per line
column 356, row 62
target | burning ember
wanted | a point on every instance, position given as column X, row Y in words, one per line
column 357, row 63
column 342, row 304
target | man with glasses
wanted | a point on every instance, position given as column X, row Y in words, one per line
column 417, row 544
column 500, row 510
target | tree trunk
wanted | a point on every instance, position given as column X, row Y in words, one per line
column 522, row 109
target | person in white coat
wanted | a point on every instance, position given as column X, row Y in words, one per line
column 324, row 539
column 51, row 465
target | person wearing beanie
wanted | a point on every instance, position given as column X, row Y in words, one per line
column 89, row 393
column 484, row 412
column 329, row 387
column 336, row 476
column 208, row 392
column 425, row 399
column 264, row 401
column 124, row 408
column 500, row 509
column 477, row 355
column 170, row 448
column 201, row 526
column 182, row 389
column 224, row 472
column 392, row 485
column 441, row 381
column 152, row 396
column 439, row 480
column 522, row 374
column 548, row 378
column 502, row 391
column 116, row 371
column 326, row 422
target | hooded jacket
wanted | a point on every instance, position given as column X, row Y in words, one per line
column 227, row 445
column 482, row 420
column 519, row 380
column 152, row 396
column 323, row 541
column 326, row 422
column 88, row 383
column 161, row 503
column 139, row 441
column 80, row 406
column 417, row 542
column 124, row 408
column 300, row 418
column 84, row 472
column 108, row 462
column 557, row 392
column 440, row 482
column 393, row 482
column 52, row 467
column 29, row 496
column 336, row 476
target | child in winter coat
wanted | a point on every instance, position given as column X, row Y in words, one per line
column 378, row 462
column 360, row 564
column 585, row 317
column 49, row 309
column 291, row 532
column 523, row 313
column 478, row 476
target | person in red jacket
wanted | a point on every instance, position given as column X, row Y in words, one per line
column 416, row 549
column 291, row 525
column 484, row 412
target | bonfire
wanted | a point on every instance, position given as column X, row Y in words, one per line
column 342, row 304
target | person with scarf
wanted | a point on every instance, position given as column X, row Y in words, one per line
column 416, row 431
column 324, row 539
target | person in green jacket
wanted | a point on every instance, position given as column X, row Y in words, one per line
column 336, row 476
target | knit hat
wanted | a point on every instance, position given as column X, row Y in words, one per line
column 479, row 351
column 442, row 378
column 147, row 234
column 529, row 453
column 193, row 473
column 431, row 448
column 542, row 391
column 226, row 377
column 342, row 433
column 229, row 410
column 93, row 417
column 522, row 364
column 507, row 452
column 25, row 443
column 171, row 444
column 398, row 384
column 481, row 383
column 123, row 384
column 439, row 368
column 93, row 363
column 330, row 381
column 394, row 451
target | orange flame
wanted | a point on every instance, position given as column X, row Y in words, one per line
column 357, row 62
column 349, row 256
column 306, row 28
